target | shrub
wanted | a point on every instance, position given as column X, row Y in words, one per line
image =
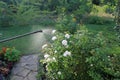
column 65, row 58
column 104, row 66
column 109, row 9
column 98, row 20
column 67, row 23
column 12, row 55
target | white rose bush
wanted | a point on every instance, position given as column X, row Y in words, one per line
column 76, row 56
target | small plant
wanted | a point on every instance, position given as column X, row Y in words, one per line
column 2, row 53
column 12, row 55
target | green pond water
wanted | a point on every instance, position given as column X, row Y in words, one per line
column 28, row 44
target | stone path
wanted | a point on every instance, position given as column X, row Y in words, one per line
column 26, row 68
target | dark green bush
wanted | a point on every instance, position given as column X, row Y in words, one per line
column 98, row 20
column 104, row 65
column 67, row 23
column 109, row 9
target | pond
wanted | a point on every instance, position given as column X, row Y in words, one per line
column 28, row 44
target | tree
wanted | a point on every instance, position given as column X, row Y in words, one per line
column 18, row 13
column 111, row 2
column 5, row 14
column 25, row 12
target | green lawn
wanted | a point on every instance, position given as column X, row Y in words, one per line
column 107, row 29
column 27, row 44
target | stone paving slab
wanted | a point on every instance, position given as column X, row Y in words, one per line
column 26, row 68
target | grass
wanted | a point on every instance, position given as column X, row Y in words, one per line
column 27, row 44
column 107, row 29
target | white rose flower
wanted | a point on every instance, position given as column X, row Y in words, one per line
column 64, row 42
column 45, row 45
column 53, row 31
column 67, row 36
column 54, row 38
column 55, row 51
column 59, row 73
column 54, row 59
column 67, row 53
column 91, row 65
column 46, row 67
column 51, row 59
column 46, row 56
